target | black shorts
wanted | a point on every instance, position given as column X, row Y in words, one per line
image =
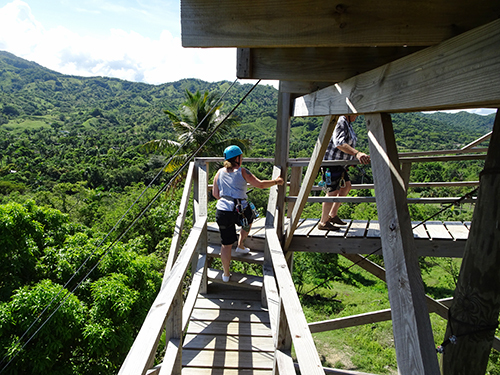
column 227, row 221
column 339, row 177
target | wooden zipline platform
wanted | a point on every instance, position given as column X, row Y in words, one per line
column 432, row 238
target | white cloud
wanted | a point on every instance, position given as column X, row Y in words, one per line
column 122, row 54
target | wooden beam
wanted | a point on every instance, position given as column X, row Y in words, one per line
column 334, row 64
column 412, row 329
column 476, row 304
column 356, row 320
column 459, row 73
column 477, row 141
column 424, row 247
column 311, row 173
column 318, row 23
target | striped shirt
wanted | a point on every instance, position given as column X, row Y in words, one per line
column 342, row 134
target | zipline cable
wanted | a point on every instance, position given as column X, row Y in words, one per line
column 138, row 216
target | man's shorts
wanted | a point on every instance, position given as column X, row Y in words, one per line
column 227, row 221
column 339, row 177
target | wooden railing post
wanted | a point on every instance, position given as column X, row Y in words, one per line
column 201, row 211
column 173, row 336
column 295, row 180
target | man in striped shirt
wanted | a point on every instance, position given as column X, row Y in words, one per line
column 341, row 147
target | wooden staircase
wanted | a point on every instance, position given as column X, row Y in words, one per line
column 229, row 331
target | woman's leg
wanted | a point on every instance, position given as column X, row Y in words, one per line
column 225, row 256
column 243, row 236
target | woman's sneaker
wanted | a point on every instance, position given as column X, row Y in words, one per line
column 226, row 278
column 245, row 250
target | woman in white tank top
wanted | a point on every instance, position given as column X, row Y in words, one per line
column 230, row 183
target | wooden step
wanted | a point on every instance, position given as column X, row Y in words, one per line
column 230, row 343
column 222, row 371
column 257, row 257
column 241, row 280
column 227, row 359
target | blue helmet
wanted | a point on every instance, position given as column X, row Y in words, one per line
column 232, row 151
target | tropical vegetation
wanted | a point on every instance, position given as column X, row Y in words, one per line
column 74, row 173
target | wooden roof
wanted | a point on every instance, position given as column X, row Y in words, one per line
column 317, row 40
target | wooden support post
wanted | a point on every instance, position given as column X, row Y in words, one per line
column 282, row 344
column 476, row 304
column 173, row 334
column 415, row 351
column 405, row 173
column 295, row 180
column 285, row 102
column 202, row 202
column 312, row 171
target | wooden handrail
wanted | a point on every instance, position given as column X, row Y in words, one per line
column 179, row 223
column 140, row 356
column 447, row 200
column 303, row 342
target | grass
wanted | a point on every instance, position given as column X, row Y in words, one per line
column 369, row 348
column 28, row 123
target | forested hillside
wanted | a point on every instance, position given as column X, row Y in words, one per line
column 72, row 163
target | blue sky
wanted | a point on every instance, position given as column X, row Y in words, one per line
column 136, row 40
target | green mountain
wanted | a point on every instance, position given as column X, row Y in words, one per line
column 58, row 128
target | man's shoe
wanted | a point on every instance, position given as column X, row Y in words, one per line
column 245, row 250
column 327, row 226
column 336, row 220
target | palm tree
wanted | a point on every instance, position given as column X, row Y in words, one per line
column 199, row 115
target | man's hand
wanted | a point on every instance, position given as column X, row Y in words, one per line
column 363, row 158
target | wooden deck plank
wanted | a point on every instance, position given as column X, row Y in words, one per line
column 305, row 227
column 245, row 281
column 358, row 228
column 251, row 257
column 343, row 229
column 315, row 232
column 230, row 315
column 373, row 229
column 419, row 231
column 221, row 371
column 201, row 327
column 437, row 230
column 230, row 343
column 249, row 305
column 222, row 359
column 457, row 229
